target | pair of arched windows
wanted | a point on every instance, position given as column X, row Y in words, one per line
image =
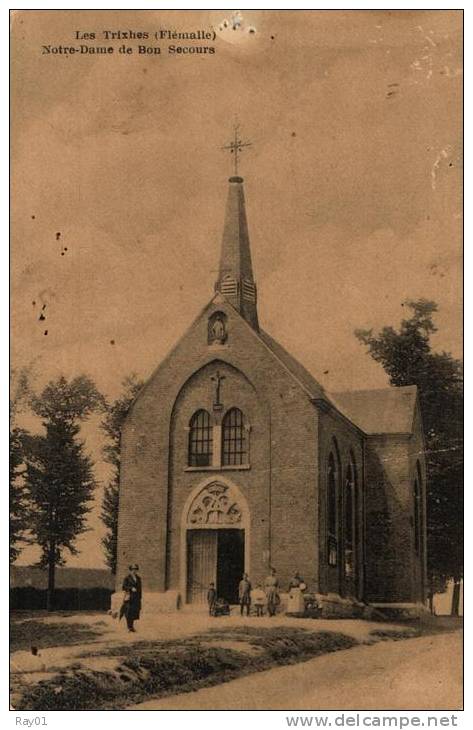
column 347, row 502
column 234, row 441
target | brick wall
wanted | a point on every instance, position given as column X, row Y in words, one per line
column 281, row 485
column 393, row 570
column 340, row 437
column 286, row 484
column 253, row 483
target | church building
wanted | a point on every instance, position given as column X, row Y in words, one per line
column 235, row 459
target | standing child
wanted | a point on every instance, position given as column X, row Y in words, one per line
column 211, row 598
column 258, row 598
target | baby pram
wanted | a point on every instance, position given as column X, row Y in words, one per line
column 220, row 608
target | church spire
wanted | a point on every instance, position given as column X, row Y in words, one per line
column 235, row 279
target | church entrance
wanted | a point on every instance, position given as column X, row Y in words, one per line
column 230, row 563
column 214, row 556
column 215, row 542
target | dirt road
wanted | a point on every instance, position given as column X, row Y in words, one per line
column 423, row 673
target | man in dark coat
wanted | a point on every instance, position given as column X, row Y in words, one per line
column 244, row 594
column 131, row 606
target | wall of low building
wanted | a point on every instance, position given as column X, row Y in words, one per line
column 280, row 486
column 345, row 441
column 418, row 469
column 390, row 556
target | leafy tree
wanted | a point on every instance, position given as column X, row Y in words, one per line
column 19, row 506
column 20, row 391
column 407, row 357
column 59, row 476
column 112, row 426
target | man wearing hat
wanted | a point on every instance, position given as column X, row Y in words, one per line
column 131, row 606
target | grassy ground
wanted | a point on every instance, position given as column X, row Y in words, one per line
column 119, row 675
column 154, row 669
column 27, row 633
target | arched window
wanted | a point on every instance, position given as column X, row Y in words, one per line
column 235, row 442
column 332, row 498
column 200, row 439
column 418, row 526
column 350, row 520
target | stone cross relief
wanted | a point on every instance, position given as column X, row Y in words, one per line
column 217, row 380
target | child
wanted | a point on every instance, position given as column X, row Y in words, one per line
column 211, row 598
column 258, row 598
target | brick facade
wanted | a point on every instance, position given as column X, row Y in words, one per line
column 280, row 485
column 285, row 486
column 372, row 444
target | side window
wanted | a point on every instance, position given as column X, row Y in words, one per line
column 200, row 439
column 418, row 526
column 332, row 499
column 350, row 516
column 235, row 440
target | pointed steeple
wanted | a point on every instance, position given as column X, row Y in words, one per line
column 235, row 279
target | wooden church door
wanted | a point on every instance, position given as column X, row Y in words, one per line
column 214, row 556
column 201, row 564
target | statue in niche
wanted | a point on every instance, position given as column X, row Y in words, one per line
column 217, row 330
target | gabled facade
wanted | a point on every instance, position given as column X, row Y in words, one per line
column 234, row 458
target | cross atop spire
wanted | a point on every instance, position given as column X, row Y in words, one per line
column 236, row 146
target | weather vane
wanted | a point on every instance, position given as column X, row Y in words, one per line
column 236, row 146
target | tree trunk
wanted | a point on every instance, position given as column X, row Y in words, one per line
column 456, row 597
column 51, row 579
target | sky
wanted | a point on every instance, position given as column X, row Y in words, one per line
column 353, row 187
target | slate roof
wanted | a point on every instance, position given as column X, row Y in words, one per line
column 235, row 258
column 384, row 410
column 387, row 410
column 298, row 371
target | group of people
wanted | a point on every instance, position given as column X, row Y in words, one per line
column 261, row 597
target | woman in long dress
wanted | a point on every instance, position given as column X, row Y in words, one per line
column 271, row 587
column 296, row 598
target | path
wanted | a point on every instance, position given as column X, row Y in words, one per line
column 166, row 626
column 423, row 673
